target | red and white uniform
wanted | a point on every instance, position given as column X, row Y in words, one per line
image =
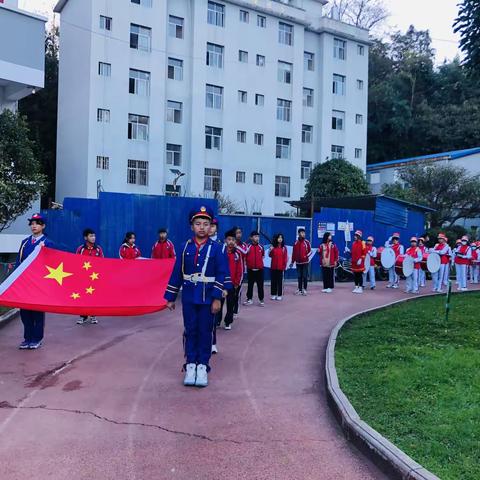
column 279, row 256
column 129, row 252
column 163, row 249
column 90, row 250
column 463, row 255
column 372, row 251
column 235, row 265
column 242, row 249
column 359, row 252
column 416, row 254
column 301, row 251
column 254, row 257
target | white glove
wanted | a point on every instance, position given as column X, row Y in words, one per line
column 359, row 261
column 347, row 250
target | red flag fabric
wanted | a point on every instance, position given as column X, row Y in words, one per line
column 53, row 281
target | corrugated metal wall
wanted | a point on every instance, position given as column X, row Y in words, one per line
column 389, row 212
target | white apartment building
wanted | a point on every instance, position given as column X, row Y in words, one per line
column 244, row 97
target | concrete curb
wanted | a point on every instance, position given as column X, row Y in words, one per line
column 381, row 451
column 6, row 318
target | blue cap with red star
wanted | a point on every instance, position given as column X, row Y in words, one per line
column 38, row 218
column 201, row 212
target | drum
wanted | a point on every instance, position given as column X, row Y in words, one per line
column 399, row 264
column 378, row 258
column 388, row 258
column 367, row 263
column 433, row 262
column 408, row 266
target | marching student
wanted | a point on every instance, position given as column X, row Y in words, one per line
column 463, row 256
column 301, row 257
column 458, row 244
column 359, row 253
column 414, row 252
column 475, row 263
column 255, row 274
column 329, row 255
column 242, row 249
column 163, row 247
column 279, row 255
column 370, row 272
column 394, row 243
column 33, row 322
column 128, row 249
column 90, row 249
column 422, row 275
column 200, row 270
column 235, row 264
column 443, row 249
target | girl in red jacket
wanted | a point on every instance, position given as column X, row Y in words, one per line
column 328, row 253
column 359, row 253
column 279, row 255
column 128, row 250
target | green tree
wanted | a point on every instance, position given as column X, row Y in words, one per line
column 336, row 178
column 468, row 25
column 21, row 180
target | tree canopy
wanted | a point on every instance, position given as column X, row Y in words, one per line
column 468, row 25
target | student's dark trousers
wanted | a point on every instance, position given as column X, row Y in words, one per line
column 255, row 277
column 34, row 324
column 231, row 300
column 276, row 277
column 302, row 273
column 328, row 274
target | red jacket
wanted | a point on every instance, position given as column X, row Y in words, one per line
column 373, row 252
column 163, row 250
column 301, row 251
column 129, row 253
column 444, row 251
column 235, row 264
column 254, row 257
column 242, row 249
column 397, row 248
column 279, row 256
column 330, row 251
column 89, row 251
column 359, row 252
column 463, row 250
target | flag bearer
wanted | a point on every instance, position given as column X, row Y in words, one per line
column 89, row 249
column 414, row 252
column 235, row 264
column 443, row 249
column 475, row 263
column 359, row 253
column 463, row 256
column 200, row 270
column 422, row 275
column 370, row 273
column 163, row 247
column 394, row 243
column 255, row 274
column 33, row 322
column 301, row 257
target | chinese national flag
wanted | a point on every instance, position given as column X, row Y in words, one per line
column 58, row 282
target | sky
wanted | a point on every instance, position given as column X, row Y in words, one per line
column 435, row 15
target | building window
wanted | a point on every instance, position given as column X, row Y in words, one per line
column 337, row 151
column 104, row 69
column 258, row 179
column 260, row 60
column 282, row 186
column 243, row 56
column 213, row 138
column 244, row 16
column 174, row 155
column 174, row 111
column 339, row 49
column 105, row 23
column 172, row 191
column 308, row 61
column 360, row 84
column 284, row 110
column 360, row 50
column 358, row 153
column 242, row 96
column 175, row 69
column 139, row 83
column 283, row 148
column 144, row 3
column 259, row 100
column 241, row 136
column 137, row 172
column 140, row 37
column 216, row 14
column 359, row 119
column 214, row 55
column 103, row 163
column 240, row 177
column 175, row 26
column 103, row 115
column 285, row 33
column 285, row 72
column 338, row 120
column 308, row 97
column 306, row 170
column 339, row 84
column 258, row 138
column 261, row 21
column 213, row 180
column 214, row 97
column 307, row 134
column 138, row 127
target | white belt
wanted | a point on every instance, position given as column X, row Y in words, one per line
column 198, row 277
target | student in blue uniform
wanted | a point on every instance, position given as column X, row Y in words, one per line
column 200, row 269
column 33, row 322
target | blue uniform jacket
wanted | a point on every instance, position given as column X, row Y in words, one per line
column 28, row 245
column 190, row 261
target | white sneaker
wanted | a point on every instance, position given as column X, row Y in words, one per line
column 304, row 293
column 262, row 303
column 202, row 376
column 328, row 290
column 214, row 349
column 273, row 297
column 464, row 289
column 325, row 290
column 279, row 298
column 389, row 285
column 82, row 321
column 93, row 320
column 395, row 286
column 227, row 327
column 298, row 292
column 355, row 290
column 248, row 302
column 190, row 373
column 360, row 290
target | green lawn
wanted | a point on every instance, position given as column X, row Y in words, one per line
column 3, row 310
column 416, row 380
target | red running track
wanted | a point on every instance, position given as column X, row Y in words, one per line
column 107, row 402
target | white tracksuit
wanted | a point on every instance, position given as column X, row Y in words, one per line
column 461, row 269
column 422, row 274
column 444, row 272
column 475, row 267
column 412, row 280
column 393, row 278
column 370, row 273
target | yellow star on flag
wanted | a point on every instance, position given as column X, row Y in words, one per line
column 89, row 290
column 87, row 265
column 94, row 276
column 57, row 274
column 75, row 296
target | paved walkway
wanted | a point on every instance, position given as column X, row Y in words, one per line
column 106, row 401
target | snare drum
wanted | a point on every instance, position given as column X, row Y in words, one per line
column 408, row 266
column 387, row 258
column 399, row 264
column 378, row 258
column 433, row 262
